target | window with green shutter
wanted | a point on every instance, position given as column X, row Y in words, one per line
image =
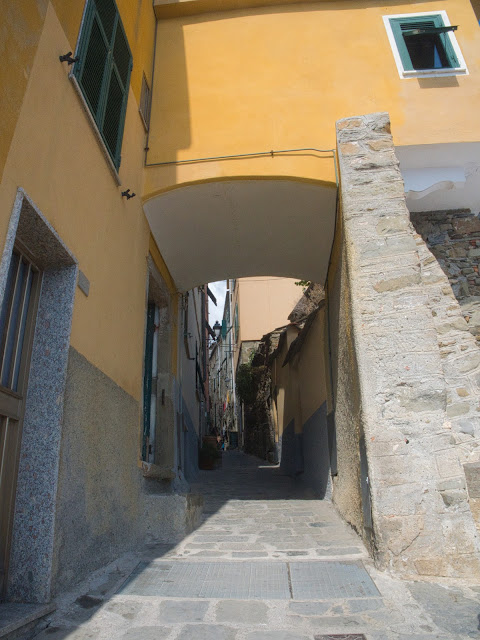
column 424, row 44
column 103, row 71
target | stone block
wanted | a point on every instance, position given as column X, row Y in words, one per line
column 469, row 362
column 455, row 324
column 170, row 517
column 350, row 148
column 405, row 500
column 242, row 612
column 472, row 475
column 144, row 633
column 448, row 464
column 275, row 635
column 467, row 225
column 399, row 532
column 312, row 608
column 432, row 566
column 174, row 611
column 389, row 225
column 393, row 284
column 459, row 534
column 451, row 483
column 349, row 123
column 469, row 426
column 207, row 632
column 394, row 188
column 458, row 409
column 454, row 497
column 380, row 145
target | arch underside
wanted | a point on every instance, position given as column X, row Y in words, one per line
column 238, row 228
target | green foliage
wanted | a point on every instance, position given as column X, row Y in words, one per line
column 245, row 383
column 303, row 283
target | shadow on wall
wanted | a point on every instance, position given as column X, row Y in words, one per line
column 169, row 96
column 306, row 455
column 454, row 239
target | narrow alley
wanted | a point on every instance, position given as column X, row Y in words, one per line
column 269, row 562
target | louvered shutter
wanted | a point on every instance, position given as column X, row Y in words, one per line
column 103, row 71
column 402, row 25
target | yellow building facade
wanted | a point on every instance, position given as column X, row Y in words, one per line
column 220, row 118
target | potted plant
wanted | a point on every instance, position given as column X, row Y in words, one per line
column 208, row 456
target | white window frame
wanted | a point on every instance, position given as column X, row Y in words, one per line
column 425, row 73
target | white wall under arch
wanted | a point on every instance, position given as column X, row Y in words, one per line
column 248, row 227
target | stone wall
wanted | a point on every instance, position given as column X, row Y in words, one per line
column 405, row 381
column 345, row 391
column 457, row 339
column 453, row 237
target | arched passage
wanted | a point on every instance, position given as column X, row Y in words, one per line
column 244, row 227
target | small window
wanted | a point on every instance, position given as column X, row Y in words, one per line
column 145, row 98
column 424, row 44
column 103, row 71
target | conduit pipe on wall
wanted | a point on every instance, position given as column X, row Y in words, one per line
column 257, row 154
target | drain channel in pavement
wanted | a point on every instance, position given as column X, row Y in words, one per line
column 251, row 580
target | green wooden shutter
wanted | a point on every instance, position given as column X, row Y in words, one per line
column 103, row 71
column 401, row 25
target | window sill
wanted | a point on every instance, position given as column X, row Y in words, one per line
column 97, row 133
column 156, row 472
column 435, row 73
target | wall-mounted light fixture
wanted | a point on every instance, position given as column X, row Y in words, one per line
column 217, row 329
column 68, row 58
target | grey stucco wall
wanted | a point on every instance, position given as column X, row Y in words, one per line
column 99, row 488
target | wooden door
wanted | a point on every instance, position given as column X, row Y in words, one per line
column 17, row 323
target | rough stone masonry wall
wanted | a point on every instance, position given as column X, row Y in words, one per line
column 454, row 239
column 447, row 236
column 413, row 453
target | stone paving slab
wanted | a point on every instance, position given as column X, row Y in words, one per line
column 251, row 580
column 318, row 580
column 243, row 580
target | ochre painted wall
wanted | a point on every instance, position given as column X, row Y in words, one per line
column 301, row 383
column 279, row 77
column 286, row 401
column 264, row 304
column 54, row 155
column 311, row 368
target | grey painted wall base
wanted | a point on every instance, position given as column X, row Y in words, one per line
column 169, row 518
column 316, row 458
column 100, row 484
column 306, row 455
column 286, row 446
column 190, row 446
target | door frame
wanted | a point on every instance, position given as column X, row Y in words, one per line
column 32, row 551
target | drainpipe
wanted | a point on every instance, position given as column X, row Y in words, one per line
column 179, row 421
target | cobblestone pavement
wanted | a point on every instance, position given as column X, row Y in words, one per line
column 269, row 562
